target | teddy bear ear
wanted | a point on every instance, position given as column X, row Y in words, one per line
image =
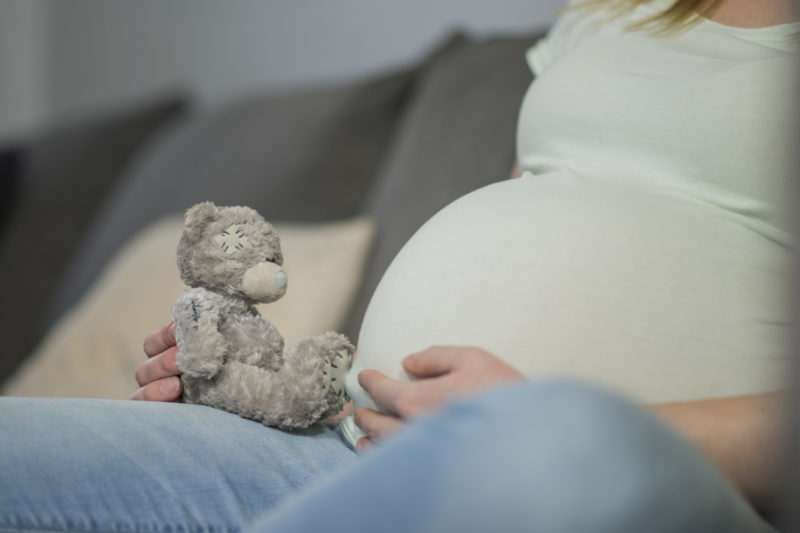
column 197, row 218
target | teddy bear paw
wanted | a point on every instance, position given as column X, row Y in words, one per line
column 335, row 372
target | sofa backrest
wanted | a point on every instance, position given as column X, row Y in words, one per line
column 398, row 147
column 457, row 135
column 51, row 191
column 307, row 156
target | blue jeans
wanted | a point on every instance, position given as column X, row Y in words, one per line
column 550, row 456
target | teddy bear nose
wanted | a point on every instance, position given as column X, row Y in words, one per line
column 265, row 282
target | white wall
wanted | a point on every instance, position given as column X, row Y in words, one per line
column 103, row 53
column 23, row 66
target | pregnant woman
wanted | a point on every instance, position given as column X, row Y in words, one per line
column 594, row 346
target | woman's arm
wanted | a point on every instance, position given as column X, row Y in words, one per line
column 739, row 434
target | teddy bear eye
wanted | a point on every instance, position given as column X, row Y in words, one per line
column 232, row 239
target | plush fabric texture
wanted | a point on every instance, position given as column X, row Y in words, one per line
column 93, row 351
column 457, row 136
column 305, row 156
column 62, row 180
column 230, row 357
column 206, row 258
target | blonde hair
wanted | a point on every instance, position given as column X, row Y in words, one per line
column 680, row 16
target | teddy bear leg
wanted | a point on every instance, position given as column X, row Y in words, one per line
column 278, row 399
column 306, row 388
column 331, row 356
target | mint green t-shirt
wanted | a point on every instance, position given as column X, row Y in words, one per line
column 645, row 248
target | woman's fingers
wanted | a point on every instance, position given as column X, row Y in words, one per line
column 403, row 398
column 376, row 425
column 434, row 361
column 158, row 367
column 158, row 378
column 160, row 340
column 158, row 375
column 363, row 444
column 162, row 390
column 387, row 393
column 444, row 372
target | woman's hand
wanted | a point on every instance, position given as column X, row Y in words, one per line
column 444, row 372
column 158, row 376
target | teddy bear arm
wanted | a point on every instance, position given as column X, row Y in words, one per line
column 201, row 346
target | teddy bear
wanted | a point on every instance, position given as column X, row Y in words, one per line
column 230, row 356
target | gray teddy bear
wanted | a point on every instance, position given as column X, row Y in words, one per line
column 230, row 356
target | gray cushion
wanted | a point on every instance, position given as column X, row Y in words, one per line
column 9, row 181
column 306, row 156
column 458, row 135
column 62, row 179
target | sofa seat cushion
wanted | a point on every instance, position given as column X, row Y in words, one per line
column 93, row 350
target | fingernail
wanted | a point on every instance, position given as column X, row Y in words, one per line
column 363, row 444
column 172, row 329
column 170, row 385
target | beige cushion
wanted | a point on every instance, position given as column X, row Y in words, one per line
column 93, row 351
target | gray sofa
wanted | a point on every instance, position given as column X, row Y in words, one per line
column 397, row 147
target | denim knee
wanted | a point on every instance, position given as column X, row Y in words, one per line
column 568, row 456
column 555, row 456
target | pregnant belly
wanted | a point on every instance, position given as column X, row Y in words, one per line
column 658, row 297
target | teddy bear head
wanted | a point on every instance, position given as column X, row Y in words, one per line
column 231, row 250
